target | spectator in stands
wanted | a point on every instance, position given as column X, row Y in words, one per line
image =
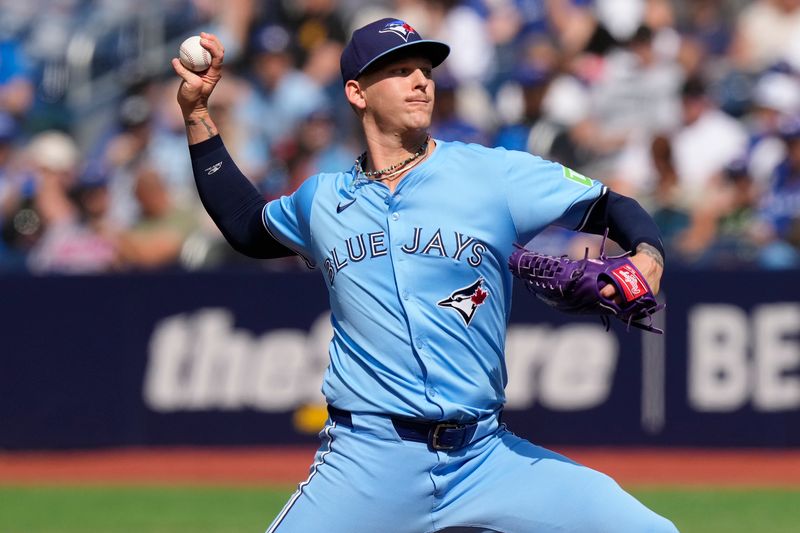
column 73, row 208
column 452, row 21
column 638, row 93
column 281, row 95
column 718, row 230
column 120, row 150
column 315, row 23
column 534, row 131
column 37, row 192
column 778, row 229
column 447, row 123
column 776, row 96
column 155, row 240
column 767, row 32
column 572, row 23
column 708, row 22
column 705, row 142
column 322, row 67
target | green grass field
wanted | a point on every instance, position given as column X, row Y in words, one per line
column 243, row 510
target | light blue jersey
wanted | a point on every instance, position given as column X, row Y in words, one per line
column 419, row 289
column 420, row 295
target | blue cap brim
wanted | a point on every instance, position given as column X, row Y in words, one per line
column 436, row 51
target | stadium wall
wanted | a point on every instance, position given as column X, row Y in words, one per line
column 237, row 358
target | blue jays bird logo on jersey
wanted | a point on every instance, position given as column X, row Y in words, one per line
column 400, row 28
column 466, row 301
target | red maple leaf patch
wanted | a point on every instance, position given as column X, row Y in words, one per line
column 479, row 296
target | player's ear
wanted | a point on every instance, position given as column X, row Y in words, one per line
column 355, row 94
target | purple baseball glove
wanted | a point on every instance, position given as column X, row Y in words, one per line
column 573, row 286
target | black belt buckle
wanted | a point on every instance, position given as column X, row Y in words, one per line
column 434, row 436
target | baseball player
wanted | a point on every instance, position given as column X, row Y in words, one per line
column 412, row 242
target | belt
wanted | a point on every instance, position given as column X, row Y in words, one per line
column 440, row 436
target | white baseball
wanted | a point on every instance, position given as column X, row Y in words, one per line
column 193, row 56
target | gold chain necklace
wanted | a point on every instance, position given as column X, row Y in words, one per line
column 394, row 170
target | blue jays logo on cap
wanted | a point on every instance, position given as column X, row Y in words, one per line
column 399, row 27
column 378, row 41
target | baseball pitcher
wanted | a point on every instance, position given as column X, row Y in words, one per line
column 413, row 242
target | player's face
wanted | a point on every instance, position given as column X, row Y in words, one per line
column 399, row 94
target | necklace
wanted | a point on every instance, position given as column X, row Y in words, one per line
column 394, row 170
column 396, row 174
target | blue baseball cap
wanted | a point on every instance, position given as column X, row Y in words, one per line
column 381, row 38
column 272, row 39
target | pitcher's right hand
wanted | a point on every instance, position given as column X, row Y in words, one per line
column 195, row 88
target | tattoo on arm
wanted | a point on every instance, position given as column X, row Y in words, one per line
column 209, row 128
column 650, row 250
column 211, row 132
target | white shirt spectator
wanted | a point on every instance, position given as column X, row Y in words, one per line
column 472, row 54
column 703, row 149
column 700, row 151
column 634, row 98
column 767, row 34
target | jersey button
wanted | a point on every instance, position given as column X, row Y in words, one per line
column 431, row 392
column 405, row 295
column 395, row 216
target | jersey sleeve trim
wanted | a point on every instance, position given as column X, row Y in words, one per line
column 589, row 211
column 309, row 264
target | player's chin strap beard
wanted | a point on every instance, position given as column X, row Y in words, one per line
column 393, row 172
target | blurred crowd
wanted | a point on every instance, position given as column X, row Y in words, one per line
column 690, row 106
